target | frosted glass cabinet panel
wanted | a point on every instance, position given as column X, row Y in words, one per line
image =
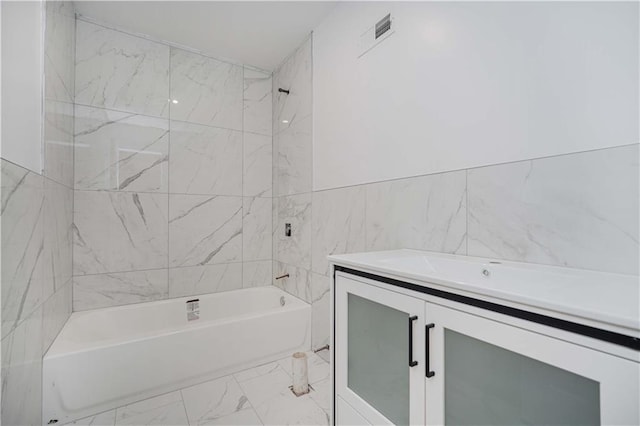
column 381, row 354
column 487, row 385
column 492, row 373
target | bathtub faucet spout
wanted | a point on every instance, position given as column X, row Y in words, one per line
column 282, row 276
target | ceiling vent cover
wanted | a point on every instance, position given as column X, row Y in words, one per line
column 375, row 34
column 383, row 26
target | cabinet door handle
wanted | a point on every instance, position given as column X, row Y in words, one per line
column 429, row 373
column 412, row 362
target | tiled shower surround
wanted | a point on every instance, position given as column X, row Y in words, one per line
column 577, row 210
column 172, row 172
column 36, row 216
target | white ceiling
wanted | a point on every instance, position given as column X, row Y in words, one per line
column 261, row 34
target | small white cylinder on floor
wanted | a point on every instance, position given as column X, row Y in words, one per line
column 299, row 373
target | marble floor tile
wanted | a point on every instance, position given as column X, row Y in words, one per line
column 103, row 419
column 165, row 409
column 318, row 369
column 241, row 418
column 213, row 400
column 321, row 394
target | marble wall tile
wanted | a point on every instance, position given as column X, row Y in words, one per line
column 294, row 161
column 578, row 210
column 22, row 373
column 22, row 244
column 425, row 213
column 207, row 91
column 296, row 249
column 204, row 230
column 337, row 224
column 55, row 312
column 59, row 50
column 320, row 302
column 295, row 75
column 195, row 280
column 58, row 142
column 123, row 288
column 120, row 151
column 119, row 231
column 298, row 283
column 205, row 160
column 257, row 102
column 256, row 274
column 58, row 236
column 257, row 163
column 256, row 228
column 120, row 71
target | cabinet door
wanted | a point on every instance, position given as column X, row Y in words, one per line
column 379, row 352
column 490, row 373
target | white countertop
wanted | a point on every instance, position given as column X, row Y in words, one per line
column 606, row 298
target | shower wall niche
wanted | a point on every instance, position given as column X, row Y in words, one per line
column 173, row 184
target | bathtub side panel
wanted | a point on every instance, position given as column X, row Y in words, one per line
column 124, row 373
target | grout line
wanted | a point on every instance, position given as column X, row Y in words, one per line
column 626, row 145
column 169, row 189
column 184, row 406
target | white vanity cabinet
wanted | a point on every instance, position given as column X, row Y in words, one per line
column 404, row 356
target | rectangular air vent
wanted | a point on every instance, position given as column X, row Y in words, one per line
column 375, row 34
column 383, row 26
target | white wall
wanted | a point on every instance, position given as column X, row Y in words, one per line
column 22, row 75
column 461, row 85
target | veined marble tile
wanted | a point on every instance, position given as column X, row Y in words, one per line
column 58, row 142
column 426, row 213
column 207, row 91
column 320, row 303
column 257, row 102
column 165, row 409
column 295, row 75
column 296, row 249
column 321, row 394
column 107, row 418
column 256, row 228
column 56, row 311
column 204, row 230
column 121, row 288
column 258, row 162
column 205, row 160
column 261, row 370
column 246, row 417
column 577, row 210
column 196, row 280
column 58, row 236
column 120, row 71
column 59, row 50
column 212, row 400
column 120, row 151
column 295, row 159
column 338, row 224
column 275, row 404
column 298, row 283
column 22, row 373
column 256, row 273
column 119, row 231
column 22, row 244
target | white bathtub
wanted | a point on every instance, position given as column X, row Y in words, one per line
column 106, row 358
